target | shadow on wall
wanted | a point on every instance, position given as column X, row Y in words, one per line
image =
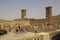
column 2, row 32
column 56, row 37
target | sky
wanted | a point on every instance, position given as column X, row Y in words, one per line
column 11, row 9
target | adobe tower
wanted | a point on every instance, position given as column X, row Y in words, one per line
column 48, row 13
column 23, row 13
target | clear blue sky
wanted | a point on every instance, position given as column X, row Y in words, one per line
column 11, row 9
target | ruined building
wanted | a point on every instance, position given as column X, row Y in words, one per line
column 32, row 24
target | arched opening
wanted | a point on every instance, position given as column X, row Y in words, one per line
column 56, row 37
column 16, row 30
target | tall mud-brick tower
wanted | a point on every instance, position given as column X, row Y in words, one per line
column 23, row 11
column 48, row 13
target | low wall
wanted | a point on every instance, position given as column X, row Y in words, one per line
column 40, row 36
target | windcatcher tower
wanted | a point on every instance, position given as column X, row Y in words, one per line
column 48, row 13
column 23, row 11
